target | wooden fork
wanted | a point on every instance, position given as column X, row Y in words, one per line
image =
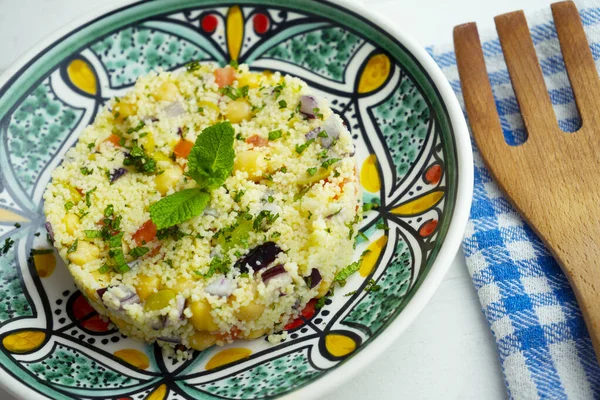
column 553, row 178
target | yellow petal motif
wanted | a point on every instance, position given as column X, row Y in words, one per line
column 159, row 394
column 24, row 341
column 227, row 356
column 235, row 31
column 44, row 264
column 374, row 74
column 133, row 357
column 369, row 260
column 369, row 176
column 420, row 204
column 82, row 76
column 339, row 345
column 9, row 216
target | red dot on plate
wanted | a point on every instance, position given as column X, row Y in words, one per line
column 261, row 23
column 95, row 324
column 307, row 313
column 81, row 307
column 428, row 228
column 209, row 23
column 433, row 174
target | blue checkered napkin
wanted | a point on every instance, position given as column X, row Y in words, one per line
column 543, row 344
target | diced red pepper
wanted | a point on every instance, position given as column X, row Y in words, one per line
column 257, row 141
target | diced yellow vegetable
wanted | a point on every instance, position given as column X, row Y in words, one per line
column 182, row 284
column 250, row 79
column 100, row 277
column 238, row 111
column 201, row 340
column 307, row 179
column 256, row 334
column 76, row 197
column 249, row 161
column 323, row 289
column 250, row 312
column 167, row 91
column 71, row 222
column 146, row 286
column 85, row 253
column 159, row 300
column 209, row 105
column 162, row 160
column 201, row 318
column 168, row 179
column 147, row 142
column 123, row 109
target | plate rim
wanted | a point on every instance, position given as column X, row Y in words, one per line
column 449, row 247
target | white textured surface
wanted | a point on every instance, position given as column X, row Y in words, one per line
column 448, row 352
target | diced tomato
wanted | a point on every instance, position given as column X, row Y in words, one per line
column 182, row 148
column 114, row 139
column 224, row 76
column 257, row 141
column 146, row 233
column 307, row 313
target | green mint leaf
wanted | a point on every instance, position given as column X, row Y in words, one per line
column 92, row 234
column 139, row 251
column 178, row 207
column 211, row 159
column 72, row 248
column 330, row 162
column 347, row 271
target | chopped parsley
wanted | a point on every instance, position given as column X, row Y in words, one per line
column 323, row 134
column 372, row 287
column 172, row 232
column 238, row 195
column 270, row 199
column 362, row 235
column 86, row 171
column 274, row 135
column 275, row 235
column 317, row 113
column 68, row 205
column 382, row 226
column 217, row 264
column 137, row 128
column 138, row 159
column 73, row 247
column 88, row 200
column 282, row 104
column 92, row 234
column 234, row 93
column 139, row 251
column 239, row 136
column 277, row 89
column 301, row 147
column 264, row 217
column 330, row 162
column 192, row 66
column 91, row 145
column 109, row 211
column 312, row 171
column 17, row 225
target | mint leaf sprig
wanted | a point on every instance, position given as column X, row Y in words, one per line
column 210, row 163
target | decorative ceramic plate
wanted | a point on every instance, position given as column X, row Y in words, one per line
column 414, row 159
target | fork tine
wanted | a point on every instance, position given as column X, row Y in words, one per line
column 578, row 60
column 477, row 92
column 526, row 74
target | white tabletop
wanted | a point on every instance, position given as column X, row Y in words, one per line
column 449, row 351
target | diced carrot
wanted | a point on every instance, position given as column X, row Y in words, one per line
column 114, row 139
column 224, row 76
column 182, row 148
column 229, row 336
column 257, row 141
column 146, row 233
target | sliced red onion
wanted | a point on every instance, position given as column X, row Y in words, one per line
column 101, row 292
column 50, row 231
column 158, row 322
column 121, row 295
column 151, row 119
column 169, row 339
column 312, row 134
column 308, row 104
column 315, row 277
column 116, row 174
column 259, row 257
column 211, row 212
column 273, row 272
column 333, row 126
column 221, row 287
column 174, row 109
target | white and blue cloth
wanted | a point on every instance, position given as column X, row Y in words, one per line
column 544, row 347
